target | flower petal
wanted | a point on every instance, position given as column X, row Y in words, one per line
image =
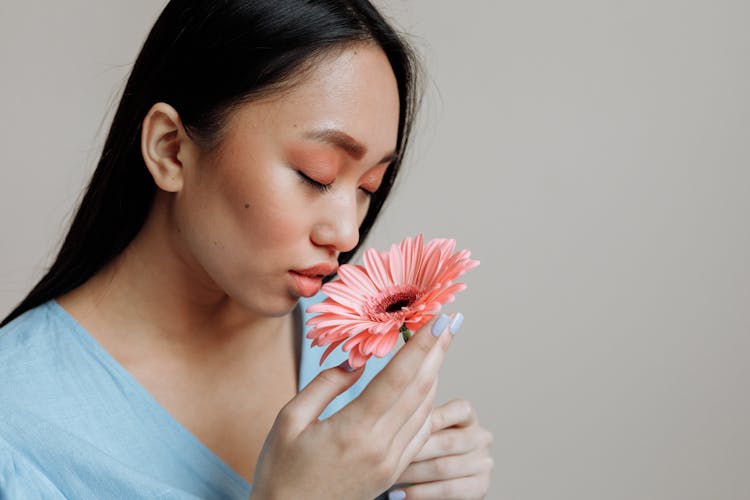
column 356, row 277
column 385, row 345
column 343, row 295
column 376, row 270
column 357, row 359
column 330, row 349
column 396, row 265
column 429, row 269
column 412, row 251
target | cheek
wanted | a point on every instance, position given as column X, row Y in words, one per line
column 265, row 211
column 271, row 224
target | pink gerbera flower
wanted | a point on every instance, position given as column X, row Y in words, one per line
column 397, row 291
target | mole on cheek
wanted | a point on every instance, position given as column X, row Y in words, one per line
column 247, row 205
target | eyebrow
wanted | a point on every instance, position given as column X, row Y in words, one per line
column 345, row 142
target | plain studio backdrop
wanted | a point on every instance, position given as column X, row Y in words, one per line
column 595, row 156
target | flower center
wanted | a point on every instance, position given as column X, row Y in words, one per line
column 392, row 300
column 396, row 306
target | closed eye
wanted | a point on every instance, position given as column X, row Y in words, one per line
column 312, row 182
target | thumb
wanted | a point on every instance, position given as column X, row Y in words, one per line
column 310, row 402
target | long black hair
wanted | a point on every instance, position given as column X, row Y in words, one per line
column 204, row 58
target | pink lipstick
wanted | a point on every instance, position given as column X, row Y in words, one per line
column 309, row 280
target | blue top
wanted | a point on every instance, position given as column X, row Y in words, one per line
column 75, row 424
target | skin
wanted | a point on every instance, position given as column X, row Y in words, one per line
column 198, row 307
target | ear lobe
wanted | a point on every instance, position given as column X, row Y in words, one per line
column 163, row 146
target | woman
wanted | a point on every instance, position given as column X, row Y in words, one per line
column 162, row 355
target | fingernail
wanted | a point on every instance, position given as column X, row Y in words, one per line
column 397, row 495
column 346, row 366
column 458, row 320
column 439, row 325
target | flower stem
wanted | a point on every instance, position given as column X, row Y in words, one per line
column 405, row 333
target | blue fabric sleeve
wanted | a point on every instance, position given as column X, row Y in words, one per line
column 20, row 479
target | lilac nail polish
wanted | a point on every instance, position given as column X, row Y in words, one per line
column 458, row 320
column 396, row 495
column 439, row 325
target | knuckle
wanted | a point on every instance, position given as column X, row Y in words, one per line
column 424, row 346
column 286, row 418
column 376, row 452
column 438, row 419
column 442, row 467
column 460, row 408
column 450, row 443
column 489, row 438
column 354, row 445
column 348, row 437
column 383, row 472
column 466, row 408
column 327, row 378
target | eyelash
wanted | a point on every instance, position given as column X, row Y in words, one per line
column 324, row 188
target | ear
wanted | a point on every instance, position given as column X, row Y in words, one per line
column 165, row 146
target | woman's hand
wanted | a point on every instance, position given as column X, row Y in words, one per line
column 455, row 463
column 361, row 450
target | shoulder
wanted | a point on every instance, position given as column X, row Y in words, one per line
column 28, row 320
column 27, row 337
column 34, row 337
column 43, row 359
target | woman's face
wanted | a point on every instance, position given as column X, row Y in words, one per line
column 287, row 188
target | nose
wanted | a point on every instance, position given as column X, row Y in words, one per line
column 338, row 229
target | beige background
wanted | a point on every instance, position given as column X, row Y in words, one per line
column 594, row 155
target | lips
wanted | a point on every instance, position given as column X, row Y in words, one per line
column 318, row 271
column 308, row 281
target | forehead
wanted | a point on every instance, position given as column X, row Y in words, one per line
column 353, row 90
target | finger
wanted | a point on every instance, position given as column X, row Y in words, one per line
column 447, row 467
column 465, row 488
column 417, row 395
column 310, row 402
column 458, row 412
column 449, row 442
column 415, row 433
column 411, row 371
